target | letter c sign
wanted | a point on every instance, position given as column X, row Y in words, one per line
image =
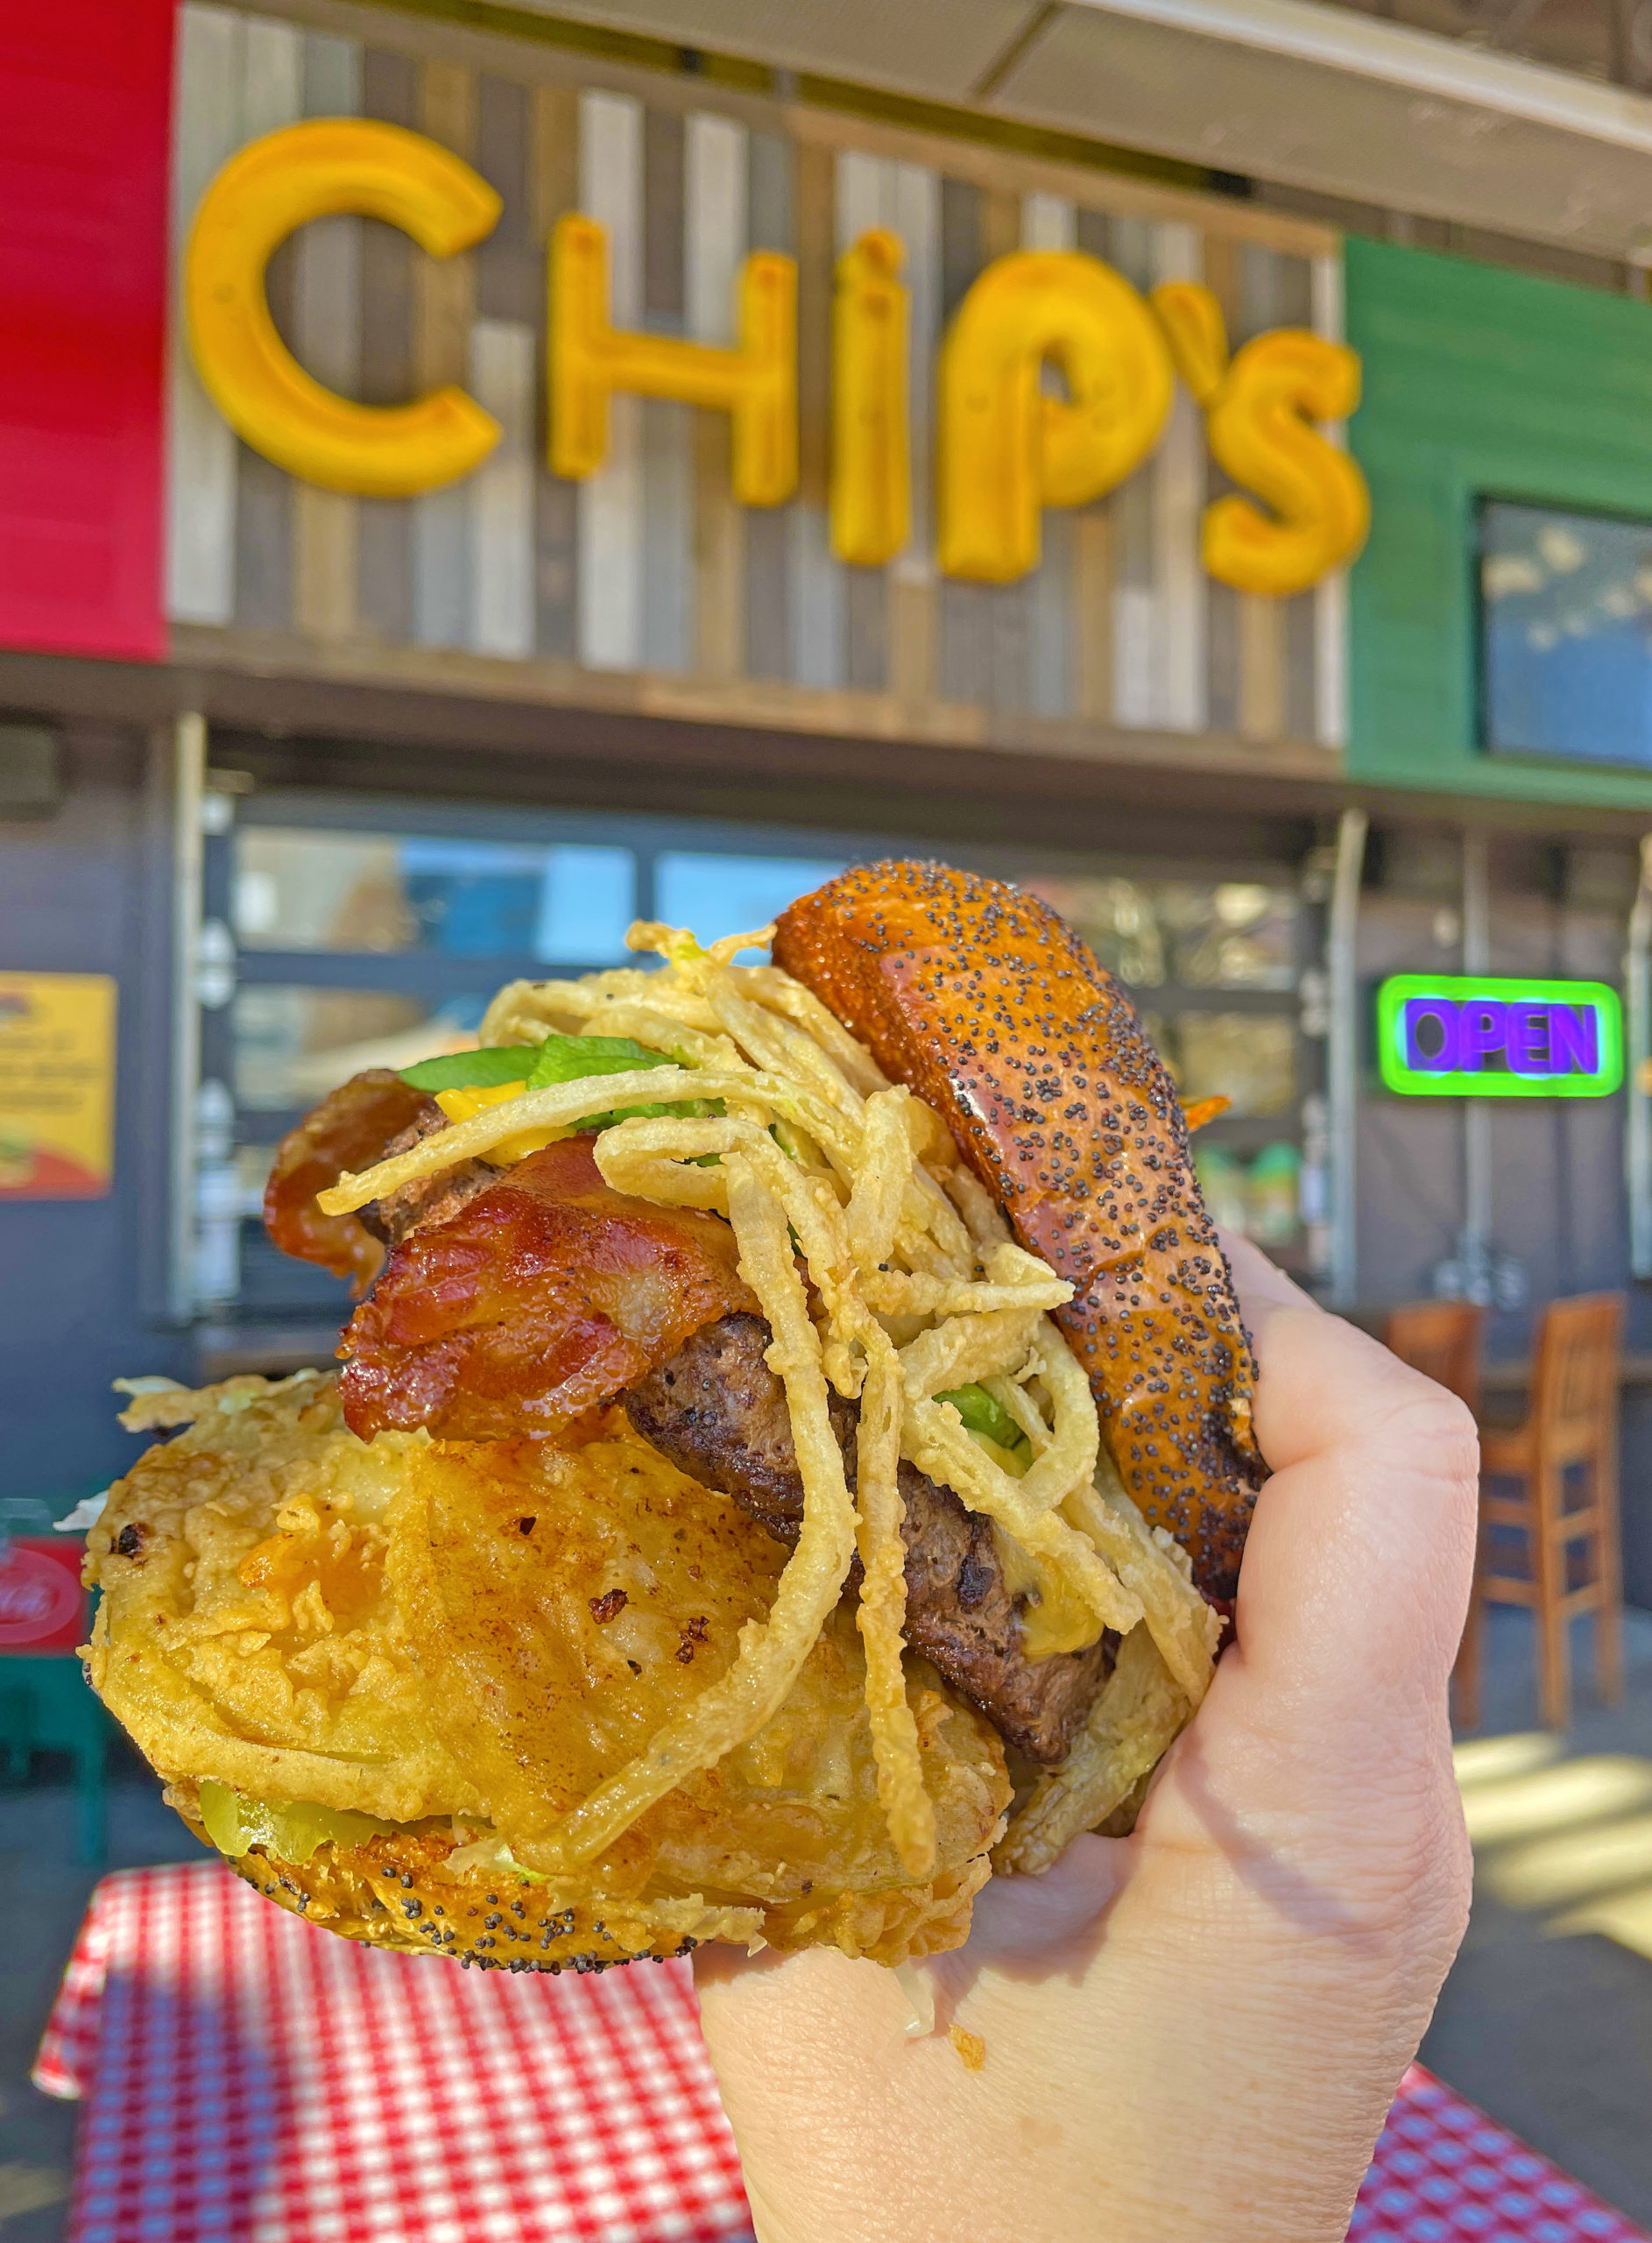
column 267, row 192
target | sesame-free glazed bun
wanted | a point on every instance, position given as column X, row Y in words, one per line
column 988, row 1006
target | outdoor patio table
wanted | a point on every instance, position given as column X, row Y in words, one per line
column 250, row 2079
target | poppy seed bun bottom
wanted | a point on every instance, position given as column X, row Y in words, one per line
column 397, row 1892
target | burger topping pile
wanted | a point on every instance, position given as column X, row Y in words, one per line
column 517, row 1302
column 791, row 1411
column 776, row 1257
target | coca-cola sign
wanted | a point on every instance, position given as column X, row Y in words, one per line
column 42, row 1605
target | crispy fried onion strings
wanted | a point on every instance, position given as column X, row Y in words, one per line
column 772, row 1652
column 1138, row 1715
column 918, row 1291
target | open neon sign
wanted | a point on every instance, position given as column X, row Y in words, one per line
column 1448, row 1036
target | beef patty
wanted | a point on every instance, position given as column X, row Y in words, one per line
column 718, row 1411
column 428, row 1199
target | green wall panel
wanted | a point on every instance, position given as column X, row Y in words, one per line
column 1478, row 383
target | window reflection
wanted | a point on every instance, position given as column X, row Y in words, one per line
column 1566, row 631
column 1223, row 935
column 718, row 895
column 565, row 904
column 293, row 1045
column 1249, row 1058
column 568, row 905
column 1260, row 1196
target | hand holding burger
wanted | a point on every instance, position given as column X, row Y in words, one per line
column 791, row 1462
column 1194, row 2032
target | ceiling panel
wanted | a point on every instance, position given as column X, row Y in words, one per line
column 1326, row 98
column 940, row 49
column 1353, row 127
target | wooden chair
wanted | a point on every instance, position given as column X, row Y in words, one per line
column 1570, row 1429
column 1442, row 1339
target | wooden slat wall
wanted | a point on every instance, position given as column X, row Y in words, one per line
column 814, row 633
column 1051, row 222
column 649, row 565
column 555, row 167
column 266, row 500
column 913, row 615
column 444, row 309
column 384, row 593
column 610, row 503
column 327, row 336
column 1330, row 599
column 771, row 223
column 201, row 446
column 715, row 233
column 667, row 433
column 503, row 356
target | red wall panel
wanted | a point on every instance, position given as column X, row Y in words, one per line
column 85, row 109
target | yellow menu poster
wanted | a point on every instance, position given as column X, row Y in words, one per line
column 57, row 1085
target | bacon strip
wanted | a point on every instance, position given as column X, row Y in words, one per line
column 351, row 1127
column 993, row 1010
column 546, row 1294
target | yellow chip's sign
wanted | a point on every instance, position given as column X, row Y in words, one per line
column 1007, row 450
column 57, row 1085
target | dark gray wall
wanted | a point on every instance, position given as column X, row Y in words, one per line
column 85, row 892
column 1558, row 1195
column 1558, row 1199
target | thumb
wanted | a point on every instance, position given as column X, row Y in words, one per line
column 1357, row 1569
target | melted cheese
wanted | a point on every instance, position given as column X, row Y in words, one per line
column 460, row 1105
column 1054, row 1617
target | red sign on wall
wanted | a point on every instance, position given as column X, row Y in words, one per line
column 42, row 1605
column 85, row 107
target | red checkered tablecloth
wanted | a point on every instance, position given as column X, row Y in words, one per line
column 249, row 2079
column 1446, row 2173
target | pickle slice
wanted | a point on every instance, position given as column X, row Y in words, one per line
column 290, row 1832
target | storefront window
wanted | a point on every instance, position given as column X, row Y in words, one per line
column 1565, row 634
column 1260, row 1196
column 719, row 896
column 1174, row 942
column 292, row 1046
column 362, row 941
column 1223, row 935
column 1247, row 1057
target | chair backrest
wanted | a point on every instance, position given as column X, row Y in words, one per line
column 1442, row 1339
column 1575, row 1382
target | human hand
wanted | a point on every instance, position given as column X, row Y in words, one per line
column 1196, row 2031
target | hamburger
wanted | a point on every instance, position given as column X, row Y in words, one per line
column 790, row 1460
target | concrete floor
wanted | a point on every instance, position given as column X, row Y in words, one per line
column 1546, row 2021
